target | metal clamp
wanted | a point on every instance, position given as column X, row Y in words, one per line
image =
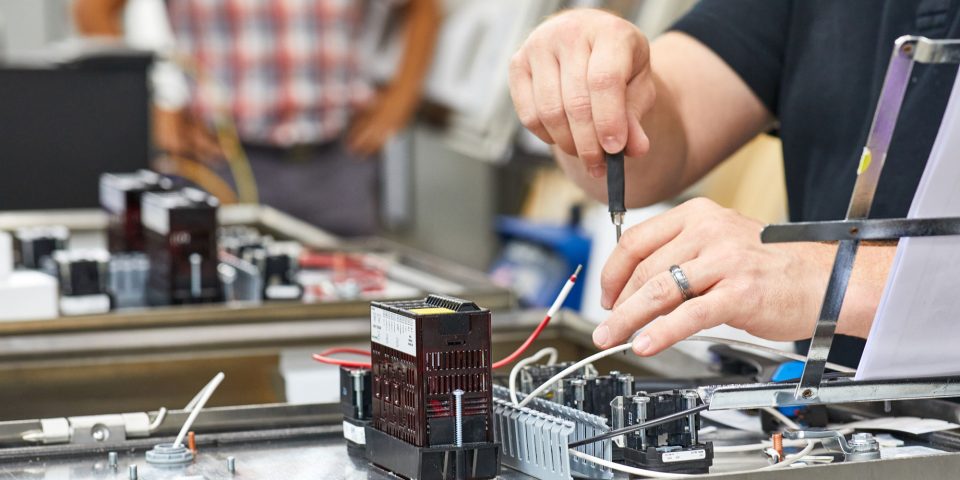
column 862, row 446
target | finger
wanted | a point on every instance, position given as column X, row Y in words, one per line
column 521, row 92
column 680, row 249
column 636, row 244
column 640, row 241
column 576, row 102
column 715, row 308
column 641, row 95
column 657, row 297
column 549, row 99
column 611, row 66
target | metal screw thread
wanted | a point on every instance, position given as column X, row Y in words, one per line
column 133, row 472
column 458, row 412
column 232, row 464
column 691, row 398
column 357, row 376
column 112, row 458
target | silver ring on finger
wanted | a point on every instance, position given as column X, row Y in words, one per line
column 682, row 283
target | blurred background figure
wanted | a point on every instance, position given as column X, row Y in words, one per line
column 286, row 79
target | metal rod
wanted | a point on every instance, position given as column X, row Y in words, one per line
column 632, row 428
column 878, row 229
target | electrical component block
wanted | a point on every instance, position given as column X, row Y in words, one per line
column 180, row 231
column 120, row 196
column 356, row 403
column 33, row 246
column 83, row 281
column 432, row 390
column 530, row 434
column 672, row 447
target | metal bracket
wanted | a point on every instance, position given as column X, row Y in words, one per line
column 812, row 388
column 907, row 51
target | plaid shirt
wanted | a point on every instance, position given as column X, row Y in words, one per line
column 286, row 70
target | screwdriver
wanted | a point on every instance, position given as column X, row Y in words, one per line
column 615, row 190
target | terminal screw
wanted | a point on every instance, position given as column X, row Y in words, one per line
column 458, row 402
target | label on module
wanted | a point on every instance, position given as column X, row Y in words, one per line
column 354, row 433
column 684, row 456
column 393, row 330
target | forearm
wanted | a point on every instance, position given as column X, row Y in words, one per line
column 423, row 23
column 867, row 282
column 98, row 17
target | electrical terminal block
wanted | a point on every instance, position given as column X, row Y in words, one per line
column 672, row 447
column 83, row 281
column 120, row 196
column 356, row 404
column 181, row 242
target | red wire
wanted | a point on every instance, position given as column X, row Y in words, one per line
column 324, row 357
column 523, row 348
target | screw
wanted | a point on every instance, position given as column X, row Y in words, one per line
column 807, row 393
column 357, row 376
column 579, row 385
column 232, row 464
column 691, row 398
column 133, row 472
column 458, row 433
column 640, row 406
column 112, row 459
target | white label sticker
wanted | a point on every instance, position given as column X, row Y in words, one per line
column 354, row 433
column 393, row 330
column 684, row 456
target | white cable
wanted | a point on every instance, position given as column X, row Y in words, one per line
column 197, row 406
column 626, row 468
column 155, row 424
column 789, row 460
column 786, row 421
column 695, row 338
column 527, row 361
column 572, row 368
column 763, row 348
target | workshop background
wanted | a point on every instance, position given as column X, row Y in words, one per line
column 463, row 182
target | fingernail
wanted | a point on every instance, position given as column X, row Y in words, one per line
column 596, row 171
column 601, row 335
column 605, row 301
column 640, row 344
column 610, row 144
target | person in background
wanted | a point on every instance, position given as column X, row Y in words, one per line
column 288, row 74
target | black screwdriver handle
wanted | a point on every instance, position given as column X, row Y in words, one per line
column 615, row 183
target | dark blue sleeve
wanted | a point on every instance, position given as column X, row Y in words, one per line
column 749, row 35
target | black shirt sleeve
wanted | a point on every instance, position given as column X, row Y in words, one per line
column 749, row 35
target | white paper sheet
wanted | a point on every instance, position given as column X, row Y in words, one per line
column 916, row 332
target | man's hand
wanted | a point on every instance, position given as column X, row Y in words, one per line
column 178, row 133
column 583, row 81
column 386, row 115
column 772, row 291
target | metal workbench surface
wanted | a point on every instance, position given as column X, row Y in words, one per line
column 320, row 453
